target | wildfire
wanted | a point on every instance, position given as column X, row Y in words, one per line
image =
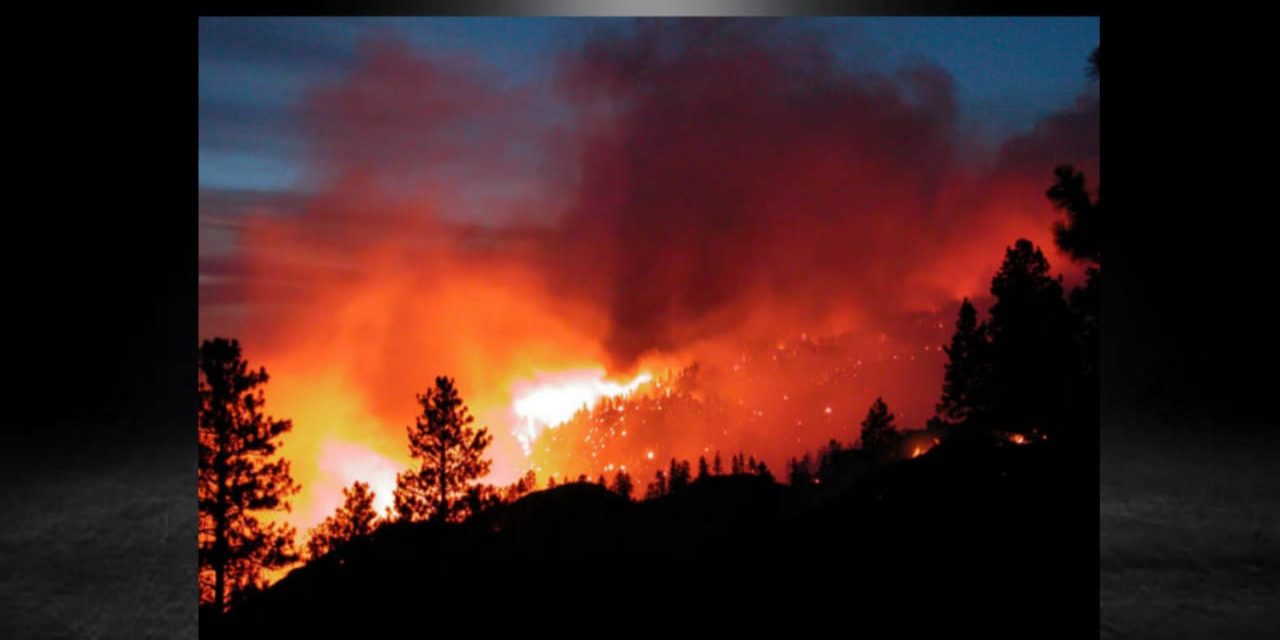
column 342, row 463
column 553, row 399
column 917, row 452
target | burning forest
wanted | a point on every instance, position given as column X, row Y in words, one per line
column 622, row 264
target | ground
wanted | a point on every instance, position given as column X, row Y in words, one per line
column 100, row 550
column 1189, row 545
column 1189, row 542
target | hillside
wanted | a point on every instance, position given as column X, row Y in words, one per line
column 994, row 526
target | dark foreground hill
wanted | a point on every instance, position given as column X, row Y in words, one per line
column 983, row 538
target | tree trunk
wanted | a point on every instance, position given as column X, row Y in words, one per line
column 220, row 528
column 442, row 511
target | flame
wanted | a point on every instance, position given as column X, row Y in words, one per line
column 552, row 399
column 1018, row 438
column 917, row 452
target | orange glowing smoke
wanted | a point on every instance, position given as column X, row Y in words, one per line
column 387, row 275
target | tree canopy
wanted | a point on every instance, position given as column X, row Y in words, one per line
column 354, row 518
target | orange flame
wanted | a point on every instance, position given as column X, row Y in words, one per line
column 553, row 399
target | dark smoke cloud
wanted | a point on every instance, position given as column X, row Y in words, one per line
column 731, row 169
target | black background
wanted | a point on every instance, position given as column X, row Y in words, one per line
column 101, row 262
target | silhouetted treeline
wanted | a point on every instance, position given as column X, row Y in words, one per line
column 239, row 477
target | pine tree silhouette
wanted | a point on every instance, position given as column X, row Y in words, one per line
column 763, row 471
column 678, row 476
column 238, row 478
column 622, row 484
column 798, row 471
column 451, row 454
column 658, row 487
column 1080, row 235
column 354, row 518
column 879, row 434
column 1032, row 345
column 966, row 370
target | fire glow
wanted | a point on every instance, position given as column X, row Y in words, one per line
column 354, row 297
column 553, row 399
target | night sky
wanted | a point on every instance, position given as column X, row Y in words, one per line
column 1008, row 72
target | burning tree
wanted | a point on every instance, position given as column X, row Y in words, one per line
column 451, row 452
column 353, row 519
column 238, row 477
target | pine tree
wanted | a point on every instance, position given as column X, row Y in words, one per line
column 478, row 498
column 238, row 478
column 828, row 459
column 966, row 368
column 622, row 484
column 1080, row 235
column 678, row 476
column 658, row 487
column 703, row 470
column 354, row 518
column 763, row 471
column 798, row 472
column 1032, row 345
column 451, row 454
column 716, row 467
column 879, row 434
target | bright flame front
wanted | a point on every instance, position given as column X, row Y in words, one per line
column 552, row 399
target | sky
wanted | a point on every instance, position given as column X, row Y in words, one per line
column 1008, row 71
column 547, row 208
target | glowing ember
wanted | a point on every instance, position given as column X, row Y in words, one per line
column 1018, row 438
column 553, row 399
column 917, row 452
